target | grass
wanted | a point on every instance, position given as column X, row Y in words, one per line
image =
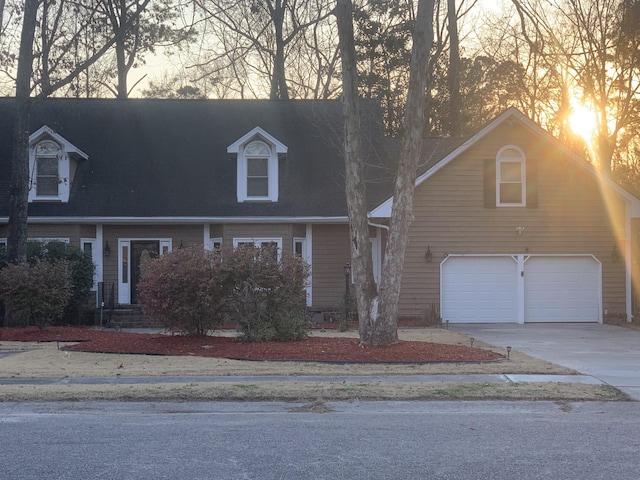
column 312, row 391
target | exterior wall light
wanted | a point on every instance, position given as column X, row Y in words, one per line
column 107, row 250
column 428, row 255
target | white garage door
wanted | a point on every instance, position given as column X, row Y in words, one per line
column 562, row 289
column 479, row 290
column 485, row 289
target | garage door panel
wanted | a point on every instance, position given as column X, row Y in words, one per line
column 562, row 289
column 479, row 290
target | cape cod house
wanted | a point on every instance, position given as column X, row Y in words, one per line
column 509, row 225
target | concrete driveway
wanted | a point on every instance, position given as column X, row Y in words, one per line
column 607, row 352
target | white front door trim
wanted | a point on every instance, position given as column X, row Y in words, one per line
column 124, row 264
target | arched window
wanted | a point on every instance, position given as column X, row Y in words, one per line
column 46, row 175
column 257, row 154
column 511, row 182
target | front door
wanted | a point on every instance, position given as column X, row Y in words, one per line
column 133, row 255
column 142, row 252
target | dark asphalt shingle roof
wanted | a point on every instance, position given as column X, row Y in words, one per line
column 168, row 158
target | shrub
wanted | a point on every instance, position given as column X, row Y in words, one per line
column 81, row 271
column 38, row 292
column 192, row 290
column 186, row 290
column 268, row 298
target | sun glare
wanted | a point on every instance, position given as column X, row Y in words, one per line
column 583, row 122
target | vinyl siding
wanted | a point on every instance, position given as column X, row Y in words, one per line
column 571, row 217
column 330, row 254
column 72, row 232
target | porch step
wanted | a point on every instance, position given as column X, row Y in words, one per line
column 130, row 317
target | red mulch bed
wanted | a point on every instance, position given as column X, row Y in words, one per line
column 312, row 349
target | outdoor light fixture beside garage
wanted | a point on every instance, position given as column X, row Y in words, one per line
column 428, row 255
column 107, row 250
column 347, row 270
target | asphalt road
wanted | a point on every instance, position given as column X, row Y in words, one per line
column 359, row 440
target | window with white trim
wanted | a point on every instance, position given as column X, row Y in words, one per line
column 47, row 175
column 511, row 182
column 88, row 246
column 257, row 166
column 52, row 161
column 261, row 243
column 213, row 244
column 257, row 156
column 49, row 239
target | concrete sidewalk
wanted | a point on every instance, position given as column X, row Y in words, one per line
column 608, row 353
column 124, row 380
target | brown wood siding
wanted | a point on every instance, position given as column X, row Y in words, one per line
column 571, row 218
column 330, row 254
column 216, row 231
column 72, row 232
column 88, row 231
column 299, row 230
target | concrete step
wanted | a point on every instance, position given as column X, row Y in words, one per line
column 129, row 317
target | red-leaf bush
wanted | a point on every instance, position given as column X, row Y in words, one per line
column 186, row 289
column 193, row 290
column 80, row 269
column 36, row 293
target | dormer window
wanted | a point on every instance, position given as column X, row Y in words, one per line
column 52, row 165
column 257, row 166
column 257, row 154
column 47, row 175
column 511, row 177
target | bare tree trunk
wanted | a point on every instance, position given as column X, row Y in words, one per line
column 18, row 199
column 121, row 62
column 19, row 194
column 378, row 314
column 1, row 13
column 279, row 89
column 402, row 209
column 605, row 148
column 455, row 100
column 121, row 88
column 355, row 188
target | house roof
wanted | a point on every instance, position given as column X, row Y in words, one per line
column 440, row 161
column 150, row 159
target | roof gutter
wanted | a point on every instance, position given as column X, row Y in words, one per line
column 176, row 220
column 378, row 225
